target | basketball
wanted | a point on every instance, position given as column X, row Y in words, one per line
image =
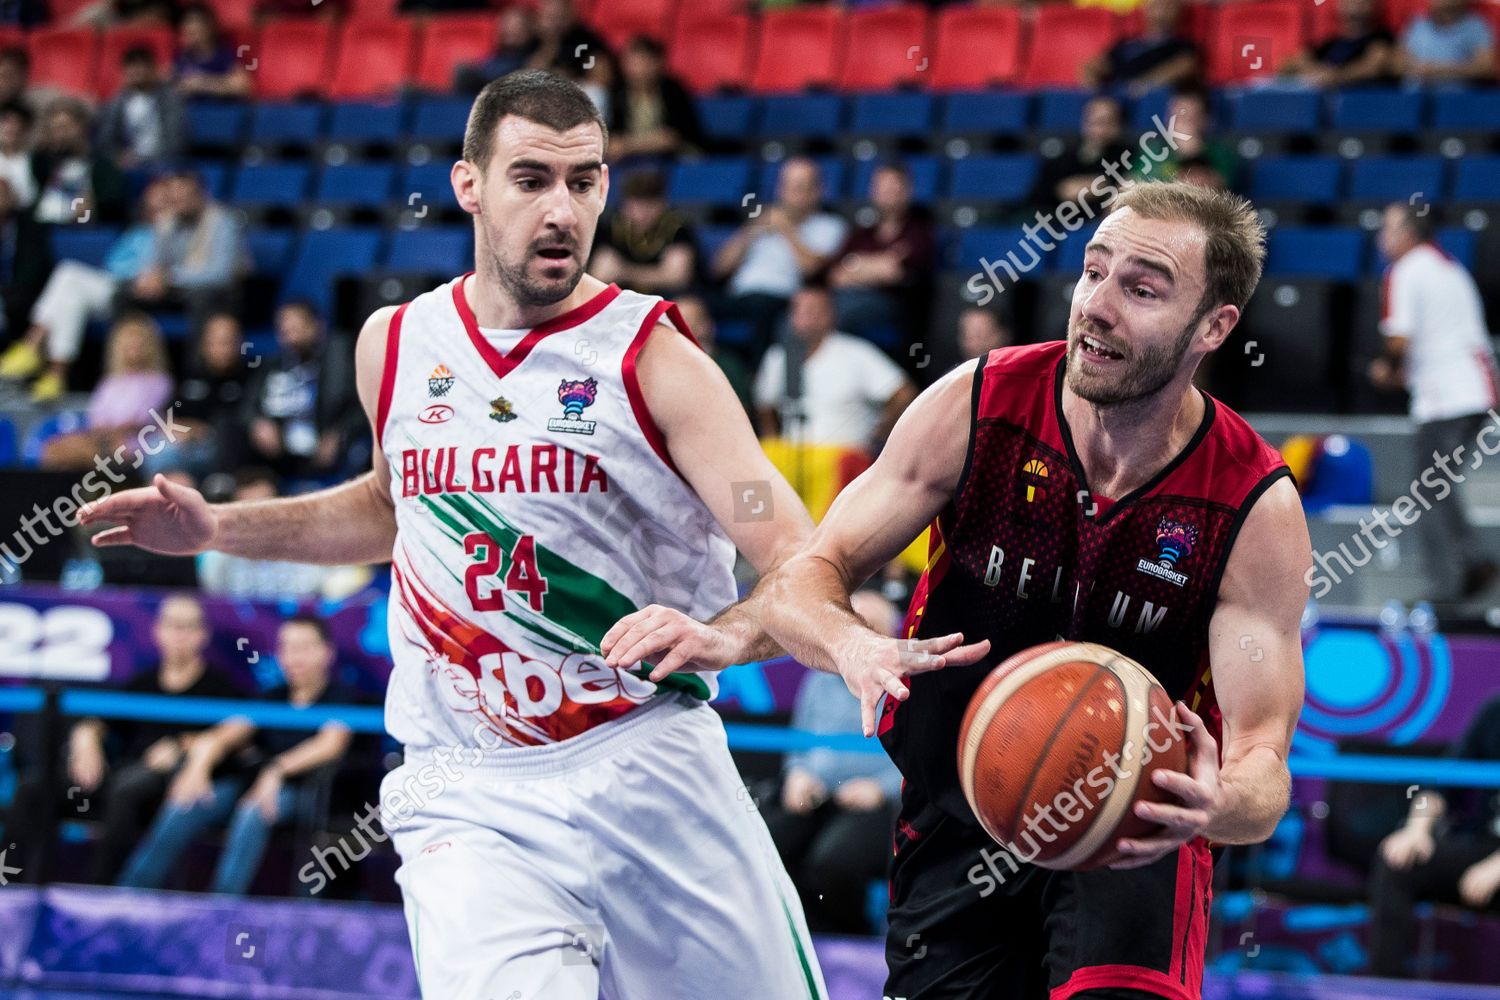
column 1056, row 747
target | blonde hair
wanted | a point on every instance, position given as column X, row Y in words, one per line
column 1234, row 248
column 114, row 348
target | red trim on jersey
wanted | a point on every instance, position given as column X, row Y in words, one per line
column 503, row 364
column 654, row 436
column 388, row 374
column 1130, row 977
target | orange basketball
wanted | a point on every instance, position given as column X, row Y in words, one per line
column 1057, row 746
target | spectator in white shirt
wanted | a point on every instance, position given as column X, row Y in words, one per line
column 837, row 390
column 1437, row 346
column 782, row 245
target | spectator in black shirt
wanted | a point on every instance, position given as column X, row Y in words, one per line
column 210, row 403
column 1070, row 176
column 282, row 762
column 1160, row 57
column 300, row 407
column 72, row 176
column 1363, row 51
column 127, row 765
column 568, row 47
column 515, row 45
column 145, row 123
column 1443, row 852
column 644, row 244
column 651, row 113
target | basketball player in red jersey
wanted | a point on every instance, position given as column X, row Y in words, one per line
column 1080, row 490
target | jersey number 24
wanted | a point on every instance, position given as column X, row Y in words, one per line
column 522, row 576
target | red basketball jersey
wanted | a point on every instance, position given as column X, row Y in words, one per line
column 1025, row 554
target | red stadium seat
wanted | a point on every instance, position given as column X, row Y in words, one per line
column 1063, row 39
column 12, row 37
column 448, row 41
column 372, row 10
column 236, row 17
column 1322, row 20
column 1252, row 40
column 713, row 52
column 118, row 41
column 621, row 20
column 62, row 12
column 294, row 56
column 894, row 48
column 374, row 58
column 1196, row 23
column 977, row 47
column 65, row 58
column 1399, row 13
column 799, row 48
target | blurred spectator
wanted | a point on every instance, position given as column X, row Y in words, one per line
column 882, row 275
column 1363, row 51
column 76, row 293
column 210, row 404
column 1159, row 57
column 283, row 763
column 144, row 123
column 769, row 257
column 15, row 152
column 701, row 322
column 568, row 47
column 72, row 177
column 836, row 390
column 25, row 259
column 300, row 407
column 1195, row 158
column 1450, row 42
column 15, row 82
column 980, row 332
column 200, row 253
column 205, row 65
column 644, row 244
column 127, row 764
column 105, row 14
column 135, row 389
column 1438, row 347
column 515, row 44
column 651, row 113
column 832, row 823
column 1069, row 176
column 1443, row 853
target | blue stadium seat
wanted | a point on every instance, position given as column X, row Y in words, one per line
column 439, row 118
column 990, row 243
column 431, row 180
column 993, row 111
column 270, row 250
column 728, row 117
column 993, row 177
column 1296, row 178
column 1396, row 178
column 262, row 184
column 1382, row 110
column 925, row 173
column 44, row 430
column 8, row 451
column 1466, row 109
column 710, row 238
column 711, row 181
column 1068, row 257
column 432, row 250
column 1477, row 178
column 356, row 184
column 367, row 121
column 217, row 124
column 904, row 113
column 1276, row 111
column 84, row 243
column 286, row 122
column 325, row 255
column 1455, row 241
column 801, row 115
column 834, row 171
column 1331, row 252
column 1060, row 109
column 1149, row 106
column 215, row 175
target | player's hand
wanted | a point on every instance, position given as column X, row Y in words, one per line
column 86, row 764
column 860, row 795
column 1200, row 795
column 265, row 795
column 1408, row 846
column 876, row 665
column 164, row 517
column 192, row 785
column 163, row 755
column 801, row 792
column 1479, row 883
column 689, row 644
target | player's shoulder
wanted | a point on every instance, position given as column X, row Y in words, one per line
column 1241, row 443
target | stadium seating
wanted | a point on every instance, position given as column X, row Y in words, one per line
column 908, row 113
column 1333, row 253
column 800, row 48
column 280, row 124
column 358, row 185
column 619, row 20
column 323, row 257
column 1074, row 36
column 217, row 125
column 270, row 185
column 710, row 181
column 1251, row 40
column 374, row 58
column 712, row 52
column 302, row 57
column 442, row 250
column 976, row 47
column 925, row 171
column 117, row 41
column 890, row 47
column 448, row 42
column 801, row 116
column 65, row 58
column 85, row 244
column 985, row 114
column 365, row 122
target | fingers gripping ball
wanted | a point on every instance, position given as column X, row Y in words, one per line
column 1057, row 746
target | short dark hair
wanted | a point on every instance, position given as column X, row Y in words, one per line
column 648, row 45
column 1418, row 219
column 303, row 305
column 18, row 55
column 534, row 95
column 646, row 184
column 19, row 110
column 313, row 622
column 139, row 54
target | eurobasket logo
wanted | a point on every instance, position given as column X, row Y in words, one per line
column 1174, row 543
column 574, row 395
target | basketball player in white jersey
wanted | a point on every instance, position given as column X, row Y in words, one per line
column 553, row 454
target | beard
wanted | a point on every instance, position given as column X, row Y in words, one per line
column 525, row 289
column 1147, row 370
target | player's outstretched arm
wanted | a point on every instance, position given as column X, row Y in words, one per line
column 1255, row 653
column 351, row 523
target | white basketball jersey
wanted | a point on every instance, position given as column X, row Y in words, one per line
column 536, row 505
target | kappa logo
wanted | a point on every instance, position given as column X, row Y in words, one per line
column 1174, row 543
column 437, row 413
column 439, row 382
column 575, row 395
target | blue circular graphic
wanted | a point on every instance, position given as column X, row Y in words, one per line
column 1347, row 670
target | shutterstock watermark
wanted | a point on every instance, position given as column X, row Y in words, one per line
column 1073, row 214
column 65, row 508
column 1335, row 566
